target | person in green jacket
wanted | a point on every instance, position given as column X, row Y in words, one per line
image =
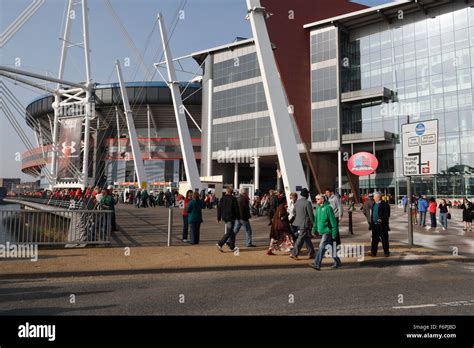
column 325, row 224
column 194, row 210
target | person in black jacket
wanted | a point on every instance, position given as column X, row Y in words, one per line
column 379, row 219
column 228, row 211
column 243, row 203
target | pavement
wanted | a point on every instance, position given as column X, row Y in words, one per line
column 139, row 247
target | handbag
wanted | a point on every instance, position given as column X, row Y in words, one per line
column 448, row 216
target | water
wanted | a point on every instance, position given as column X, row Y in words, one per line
column 4, row 235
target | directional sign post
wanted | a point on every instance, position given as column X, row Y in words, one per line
column 420, row 148
column 420, row 156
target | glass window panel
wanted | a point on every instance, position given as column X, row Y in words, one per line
column 385, row 40
column 434, row 44
column 464, row 79
column 467, row 142
column 452, row 121
column 466, row 122
column 408, row 33
column 446, row 21
column 422, row 48
column 436, row 84
column 421, row 31
column 409, row 51
column 461, row 19
column 434, row 26
column 447, row 40
column 435, row 65
column 450, row 101
column 437, row 102
column 462, row 38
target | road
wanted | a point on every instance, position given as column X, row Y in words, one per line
column 433, row 289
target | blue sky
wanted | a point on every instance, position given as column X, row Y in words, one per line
column 206, row 23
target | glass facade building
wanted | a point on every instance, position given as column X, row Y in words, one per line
column 235, row 114
column 425, row 61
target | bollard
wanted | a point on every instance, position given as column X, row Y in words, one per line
column 351, row 231
column 170, row 224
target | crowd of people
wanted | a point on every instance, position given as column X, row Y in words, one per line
column 421, row 206
column 293, row 224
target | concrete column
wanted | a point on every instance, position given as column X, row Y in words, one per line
column 256, row 177
column 236, row 176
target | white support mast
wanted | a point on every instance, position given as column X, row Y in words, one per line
column 190, row 165
column 137, row 155
column 88, row 97
column 290, row 162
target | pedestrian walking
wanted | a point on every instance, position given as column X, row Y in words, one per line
column 444, row 214
column 405, row 203
column 422, row 209
column 367, row 208
column 336, row 205
column 467, row 214
column 228, row 211
column 414, row 210
column 243, row 202
column 291, row 215
column 138, row 199
column 303, row 213
column 194, row 209
column 272, row 205
column 380, row 217
column 186, row 200
column 280, row 233
column 144, row 198
column 325, row 223
column 432, row 210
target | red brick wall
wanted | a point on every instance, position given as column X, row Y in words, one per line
column 293, row 48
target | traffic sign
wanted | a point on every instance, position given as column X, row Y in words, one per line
column 420, row 148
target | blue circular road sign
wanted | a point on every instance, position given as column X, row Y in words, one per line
column 420, row 129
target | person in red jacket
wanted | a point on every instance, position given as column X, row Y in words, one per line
column 186, row 200
column 432, row 209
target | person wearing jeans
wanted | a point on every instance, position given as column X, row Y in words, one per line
column 443, row 214
column 228, row 211
column 243, row 203
column 325, row 224
column 422, row 208
column 186, row 200
column 248, row 231
column 303, row 218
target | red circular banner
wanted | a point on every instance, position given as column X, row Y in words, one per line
column 362, row 163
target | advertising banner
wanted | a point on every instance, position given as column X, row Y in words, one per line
column 69, row 147
column 362, row 164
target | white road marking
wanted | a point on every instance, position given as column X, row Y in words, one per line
column 444, row 304
column 416, row 306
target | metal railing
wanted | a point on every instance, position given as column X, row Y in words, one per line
column 58, row 203
column 55, row 227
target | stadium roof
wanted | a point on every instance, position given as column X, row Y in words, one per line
column 386, row 12
column 200, row 56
